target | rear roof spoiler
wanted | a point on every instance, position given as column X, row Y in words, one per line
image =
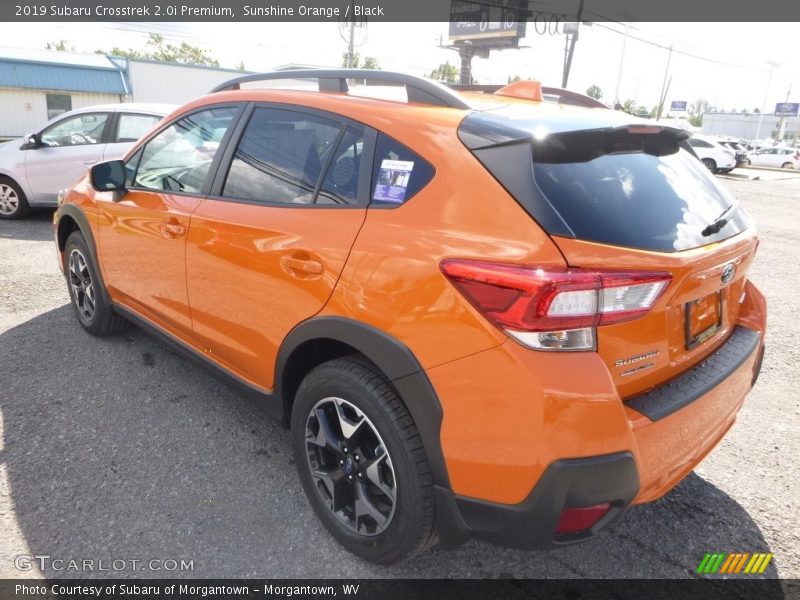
column 561, row 95
column 418, row 89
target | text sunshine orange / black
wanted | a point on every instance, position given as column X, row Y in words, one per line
column 502, row 315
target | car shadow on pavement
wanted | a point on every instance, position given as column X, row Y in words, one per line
column 118, row 449
column 36, row 227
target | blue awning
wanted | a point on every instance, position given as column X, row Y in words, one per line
column 72, row 78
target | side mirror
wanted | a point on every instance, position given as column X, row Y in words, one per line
column 31, row 142
column 108, row 176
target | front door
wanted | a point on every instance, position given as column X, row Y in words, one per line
column 143, row 234
column 69, row 147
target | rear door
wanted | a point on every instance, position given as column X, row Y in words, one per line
column 127, row 129
column 69, row 147
column 267, row 248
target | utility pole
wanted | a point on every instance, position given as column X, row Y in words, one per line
column 663, row 96
column 772, row 64
column 619, row 72
column 465, row 52
column 572, row 41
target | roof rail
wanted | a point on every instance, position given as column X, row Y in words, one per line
column 418, row 89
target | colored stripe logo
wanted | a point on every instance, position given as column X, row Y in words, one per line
column 734, row 563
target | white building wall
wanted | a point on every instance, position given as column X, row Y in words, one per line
column 171, row 83
column 23, row 111
column 743, row 126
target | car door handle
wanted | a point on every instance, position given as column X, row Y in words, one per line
column 312, row 267
column 91, row 161
column 172, row 230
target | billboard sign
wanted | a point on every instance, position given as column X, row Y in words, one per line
column 477, row 22
column 678, row 106
column 786, row 109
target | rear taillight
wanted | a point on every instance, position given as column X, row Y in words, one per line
column 551, row 309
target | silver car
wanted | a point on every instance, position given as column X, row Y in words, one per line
column 33, row 169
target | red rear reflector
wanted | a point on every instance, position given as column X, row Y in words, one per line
column 644, row 129
column 575, row 520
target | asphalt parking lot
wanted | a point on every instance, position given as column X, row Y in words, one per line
column 119, row 449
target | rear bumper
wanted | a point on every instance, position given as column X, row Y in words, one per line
column 524, row 438
column 565, row 483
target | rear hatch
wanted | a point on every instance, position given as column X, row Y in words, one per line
column 619, row 194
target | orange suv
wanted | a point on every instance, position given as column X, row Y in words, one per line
column 501, row 316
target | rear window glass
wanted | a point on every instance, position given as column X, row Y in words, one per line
column 652, row 201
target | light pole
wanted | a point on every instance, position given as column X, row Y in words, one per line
column 772, row 64
column 621, row 62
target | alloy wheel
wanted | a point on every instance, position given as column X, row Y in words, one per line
column 9, row 200
column 350, row 466
column 81, row 285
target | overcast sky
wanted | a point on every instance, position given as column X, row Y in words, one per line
column 724, row 63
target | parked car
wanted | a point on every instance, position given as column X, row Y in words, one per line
column 35, row 168
column 716, row 158
column 510, row 323
column 739, row 151
column 778, row 157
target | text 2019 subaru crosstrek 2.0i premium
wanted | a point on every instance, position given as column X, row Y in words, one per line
column 479, row 315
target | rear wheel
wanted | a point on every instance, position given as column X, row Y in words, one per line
column 747, row 162
column 710, row 164
column 362, row 463
column 13, row 203
column 94, row 313
column 787, row 165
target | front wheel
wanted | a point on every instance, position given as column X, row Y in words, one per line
column 361, row 462
column 13, row 203
column 94, row 312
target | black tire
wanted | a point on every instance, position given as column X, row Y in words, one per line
column 13, row 202
column 409, row 528
column 747, row 162
column 710, row 164
column 95, row 314
column 787, row 165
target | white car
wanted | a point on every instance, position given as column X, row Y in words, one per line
column 712, row 154
column 779, row 157
column 33, row 169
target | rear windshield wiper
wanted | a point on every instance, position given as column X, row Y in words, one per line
column 719, row 222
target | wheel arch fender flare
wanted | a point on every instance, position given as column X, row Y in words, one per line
column 79, row 217
column 397, row 363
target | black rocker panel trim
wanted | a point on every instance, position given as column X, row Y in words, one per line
column 670, row 397
column 259, row 397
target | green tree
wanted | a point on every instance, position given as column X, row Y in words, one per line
column 595, row 92
column 445, row 72
column 240, row 66
column 369, row 62
column 695, row 112
column 59, row 46
column 629, row 106
column 157, row 48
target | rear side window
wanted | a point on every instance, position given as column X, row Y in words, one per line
column 699, row 143
column 281, row 156
column 131, row 127
column 639, row 200
column 398, row 173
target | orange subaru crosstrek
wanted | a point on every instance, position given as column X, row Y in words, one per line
column 501, row 316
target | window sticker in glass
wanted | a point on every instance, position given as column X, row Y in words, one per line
column 393, row 181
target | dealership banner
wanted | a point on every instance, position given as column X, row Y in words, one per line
column 400, row 589
column 497, row 18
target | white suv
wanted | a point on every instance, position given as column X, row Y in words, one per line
column 35, row 168
column 712, row 154
column 778, row 157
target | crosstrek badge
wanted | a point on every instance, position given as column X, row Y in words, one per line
column 393, row 180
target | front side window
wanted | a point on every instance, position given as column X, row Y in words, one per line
column 78, row 130
column 179, row 158
column 280, row 158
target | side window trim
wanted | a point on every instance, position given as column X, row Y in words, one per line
column 364, row 176
column 238, row 108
